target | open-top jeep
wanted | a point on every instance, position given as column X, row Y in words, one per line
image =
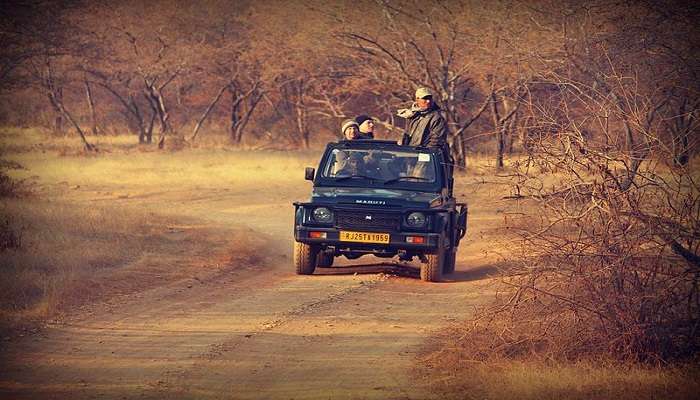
column 377, row 197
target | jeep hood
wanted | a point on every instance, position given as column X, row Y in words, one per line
column 377, row 197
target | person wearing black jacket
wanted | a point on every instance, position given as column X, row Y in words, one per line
column 366, row 124
column 425, row 126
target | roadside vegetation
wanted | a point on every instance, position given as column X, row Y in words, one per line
column 78, row 228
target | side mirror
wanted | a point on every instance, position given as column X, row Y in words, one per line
column 309, row 174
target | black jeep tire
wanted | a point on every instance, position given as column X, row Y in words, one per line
column 449, row 265
column 305, row 258
column 324, row 259
column 431, row 270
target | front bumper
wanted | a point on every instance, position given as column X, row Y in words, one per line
column 397, row 240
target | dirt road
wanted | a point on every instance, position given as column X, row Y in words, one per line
column 254, row 331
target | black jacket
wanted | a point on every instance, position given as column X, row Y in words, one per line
column 427, row 128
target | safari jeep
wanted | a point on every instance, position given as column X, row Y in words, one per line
column 377, row 197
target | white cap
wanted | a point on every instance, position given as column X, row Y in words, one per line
column 422, row 92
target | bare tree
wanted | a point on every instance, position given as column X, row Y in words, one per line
column 459, row 50
column 54, row 91
column 610, row 260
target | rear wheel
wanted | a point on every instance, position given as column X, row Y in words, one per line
column 431, row 270
column 449, row 266
column 324, row 259
column 305, row 258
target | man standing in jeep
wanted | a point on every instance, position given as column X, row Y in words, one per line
column 426, row 127
column 424, row 124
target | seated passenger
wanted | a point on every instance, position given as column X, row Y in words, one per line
column 360, row 164
column 351, row 164
column 350, row 131
column 366, row 127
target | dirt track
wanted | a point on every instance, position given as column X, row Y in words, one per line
column 251, row 331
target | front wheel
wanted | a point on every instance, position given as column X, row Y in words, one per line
column 431, row 270
column 305, row 258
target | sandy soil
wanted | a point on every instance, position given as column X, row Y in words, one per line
column 253, row 329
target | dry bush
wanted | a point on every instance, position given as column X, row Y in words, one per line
column 609, row 259
column 598, row 301
column 605, row 269
column 10, row 187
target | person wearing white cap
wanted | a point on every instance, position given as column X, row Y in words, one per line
column 424, row 124
column 350, row 130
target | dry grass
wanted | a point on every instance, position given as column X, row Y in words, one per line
column 73, row 241
column 197, row 167
column 65, row 248
column 73, row 255
column 523, row 380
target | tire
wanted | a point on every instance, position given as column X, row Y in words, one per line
column 305, row 258
column 449, row 265
column 324, row 259
column 431, row 270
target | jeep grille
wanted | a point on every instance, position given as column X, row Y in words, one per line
column 360, row 220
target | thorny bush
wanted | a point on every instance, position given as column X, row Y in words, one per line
column 609, row 265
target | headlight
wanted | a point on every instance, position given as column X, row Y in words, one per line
column 415, row 219
column 322, row 214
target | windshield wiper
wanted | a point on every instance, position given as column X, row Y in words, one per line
column 342, row 178
column 401, row 178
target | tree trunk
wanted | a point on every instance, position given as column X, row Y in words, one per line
column 91, row 106
column 132, row 109
column 302, row 126
column 208, row 110
column 154, row 115
column 235, row 117
column 59, row 105
column 497, row 125
column 88, row 146
column 510, row 135
column 242, row 107
column 58, row 119
column 157, row 102
column 458, row 151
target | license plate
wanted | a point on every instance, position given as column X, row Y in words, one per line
column 364, row 237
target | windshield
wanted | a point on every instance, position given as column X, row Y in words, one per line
column 381, row 166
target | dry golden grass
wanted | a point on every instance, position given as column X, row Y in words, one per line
column 204, row 167
column 73, row 254
column 61, row 244
column 524, row 380
column 80, row 244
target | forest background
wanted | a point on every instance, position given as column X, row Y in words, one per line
column 268, row 74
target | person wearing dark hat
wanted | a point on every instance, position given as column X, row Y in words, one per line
column 366, row 124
